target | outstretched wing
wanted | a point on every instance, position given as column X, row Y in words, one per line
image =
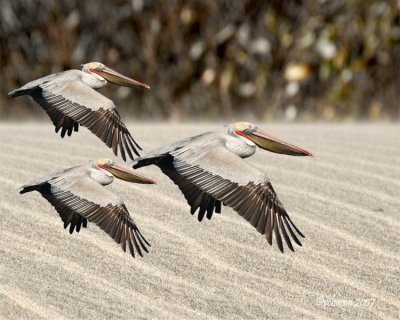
column 73, row 103
column 223, row 176
column 84, row 199
column 198, row 200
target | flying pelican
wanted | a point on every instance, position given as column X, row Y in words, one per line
column 209, row 170
column 70, row 99
column 78, row 196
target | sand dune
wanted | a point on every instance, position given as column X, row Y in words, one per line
column 345, row 200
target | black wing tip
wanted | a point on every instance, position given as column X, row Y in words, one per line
column 23, row 190
column 134, row 141
column 269, row 240
column 135, row 152
column 290, row 247
column 139, row 252
column 145, row 241
column 131, row 145
column 281, row 247
column 73, row 227
column 279, row 242
column 28, row 188
column 288, row 222
column 123, row 155
column 288, row 244
column 16, row 93
column 136, row 247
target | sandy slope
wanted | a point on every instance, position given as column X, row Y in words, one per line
column 346, row 201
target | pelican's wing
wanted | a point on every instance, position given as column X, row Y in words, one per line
column 225, row 177
column 79, row 199
column 198, row 200
column 72, row 103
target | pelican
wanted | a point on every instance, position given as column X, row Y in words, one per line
column 78, row 196
column 209, row 170
column 70, row 99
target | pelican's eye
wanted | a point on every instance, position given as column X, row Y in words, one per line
column 249, row 130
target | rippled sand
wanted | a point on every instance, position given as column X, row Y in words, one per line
column 345, row 200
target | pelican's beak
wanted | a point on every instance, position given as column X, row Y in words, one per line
column 126, row 173
column 119, row 79
column 273, row 144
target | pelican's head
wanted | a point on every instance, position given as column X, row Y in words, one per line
column 100, row 70
column 121, row 171
column 250, row 132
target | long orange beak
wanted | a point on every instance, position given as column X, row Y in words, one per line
column 117, row 78
column 273, row 144
column 124, row 172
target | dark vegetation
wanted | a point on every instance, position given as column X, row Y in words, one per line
column 263, row 60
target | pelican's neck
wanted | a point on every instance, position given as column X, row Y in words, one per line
column 240, row 145
column 93, row 80
column 101, row 176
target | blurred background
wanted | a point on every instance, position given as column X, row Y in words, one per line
column 213, row 60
